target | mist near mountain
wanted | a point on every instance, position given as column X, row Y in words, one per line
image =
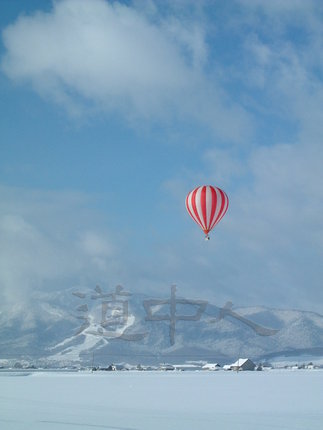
column 88, row 327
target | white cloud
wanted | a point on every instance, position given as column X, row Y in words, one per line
column 47, row 241
column 51, row 241
column 108, row 56
column 98, row 249
column 268, row 249
column 270, row 244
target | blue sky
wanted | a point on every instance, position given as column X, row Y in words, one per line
column 111, row 112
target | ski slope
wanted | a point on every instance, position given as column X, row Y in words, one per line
column 162, row 400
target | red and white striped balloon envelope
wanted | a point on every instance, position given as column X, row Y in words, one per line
column 207, row 205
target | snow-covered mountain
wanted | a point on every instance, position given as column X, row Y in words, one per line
column 92, row 327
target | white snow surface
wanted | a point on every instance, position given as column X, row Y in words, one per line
column 288, row 400
column 87, row 340
column 240, row 362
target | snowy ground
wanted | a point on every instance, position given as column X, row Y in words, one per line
column 162, row 400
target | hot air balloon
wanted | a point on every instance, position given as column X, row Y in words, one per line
column 207, row 205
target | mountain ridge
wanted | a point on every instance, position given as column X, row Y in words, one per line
column 62, row 328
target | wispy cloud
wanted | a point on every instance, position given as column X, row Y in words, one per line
column 49, row 242
column 107, row 56
column 262, row 79
column 273, row 229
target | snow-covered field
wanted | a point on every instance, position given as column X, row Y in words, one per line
column 162, row 400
